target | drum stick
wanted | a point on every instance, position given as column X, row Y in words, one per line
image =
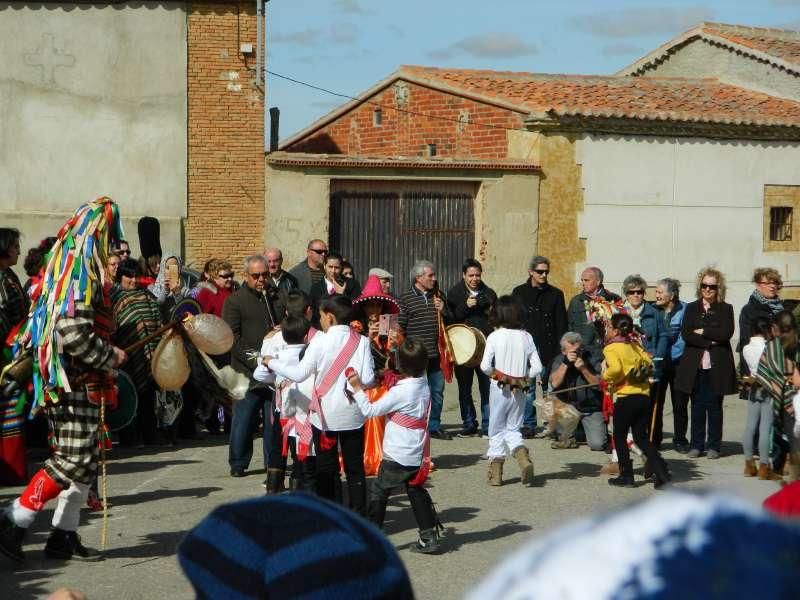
column 136, row 345
column 572, row 389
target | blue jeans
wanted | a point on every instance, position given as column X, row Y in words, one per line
column 529, row 420
column 436, row 383
column 245, row 422
column 469, row 418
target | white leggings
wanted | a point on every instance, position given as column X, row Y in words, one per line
column 506, row 412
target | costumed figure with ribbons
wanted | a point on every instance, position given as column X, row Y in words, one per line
column 406, row 456
column 512, row 362
column 68, row 335
column 13, row 312
column 376, row 314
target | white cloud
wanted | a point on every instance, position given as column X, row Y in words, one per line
column 343, row 33
column 633, row 22
column 621, row 49
column 351, row 7
column 305, row 37
column 486, row 45
column 338, row 33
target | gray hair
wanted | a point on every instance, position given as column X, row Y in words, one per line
column 419, row 268
column 274, row 251
column 251, row 259
column 671, row 286
column 538, row 260
column 571, row 337
column 634, row 282
column 597, row 273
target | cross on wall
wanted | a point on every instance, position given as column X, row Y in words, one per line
column 49, row 58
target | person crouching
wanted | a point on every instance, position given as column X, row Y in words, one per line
column 511, row 360
column 406, row 443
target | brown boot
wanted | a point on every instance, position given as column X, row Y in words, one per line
column 750, row 468
column 495, row 475
column 611, row 468
column 764, row 472
column 523, row 458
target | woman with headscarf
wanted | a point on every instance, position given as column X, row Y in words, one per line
column 137, row 315
column 168, row 288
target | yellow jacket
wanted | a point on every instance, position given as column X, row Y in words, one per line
column 628, row 368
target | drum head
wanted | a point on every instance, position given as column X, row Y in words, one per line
column 187, row 306
column 127, row 403
column 462, row 339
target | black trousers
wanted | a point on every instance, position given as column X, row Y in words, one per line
column 680, row 408
column 392, row 475
column 276, row 458
column 632, row 413
column 351, row 443
column 303, row 472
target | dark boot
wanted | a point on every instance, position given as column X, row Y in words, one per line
column 11, row 537
column 275, row 481
column 67, row 545
column 625, row 478
column 429, row 542
column 376, row 512
column 661, row 472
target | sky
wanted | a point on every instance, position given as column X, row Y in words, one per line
column 347, row 46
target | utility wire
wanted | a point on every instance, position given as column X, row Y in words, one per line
column 382, row 106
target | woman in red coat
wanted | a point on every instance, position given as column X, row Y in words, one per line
column 218, row 287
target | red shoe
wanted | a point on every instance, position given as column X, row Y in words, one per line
column 94, row 503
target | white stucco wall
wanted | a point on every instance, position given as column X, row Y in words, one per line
column 92, row 102
column 669, row 206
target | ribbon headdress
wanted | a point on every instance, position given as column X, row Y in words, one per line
column 74, row 275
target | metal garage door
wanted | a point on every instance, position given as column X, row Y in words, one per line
column 392, row 224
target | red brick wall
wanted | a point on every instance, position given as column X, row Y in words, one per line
column 226, row 128
column 406, row 134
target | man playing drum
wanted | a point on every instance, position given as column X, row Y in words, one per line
column 469, row 302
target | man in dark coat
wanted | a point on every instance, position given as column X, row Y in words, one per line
column 546, row 321
column 592, row 284
column 469, row 301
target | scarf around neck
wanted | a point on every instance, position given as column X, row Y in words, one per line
column 773, row 304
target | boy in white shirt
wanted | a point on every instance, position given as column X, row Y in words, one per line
column 511, row 360
column 340, row 423
column 291, row 401
column 406, row 443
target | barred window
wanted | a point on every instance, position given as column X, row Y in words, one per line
column 780, row 223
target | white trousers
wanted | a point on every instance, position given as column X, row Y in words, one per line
column 506, row 412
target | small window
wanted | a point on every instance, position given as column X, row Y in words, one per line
column 780, row 223
column 377, row 117
column 431, row 149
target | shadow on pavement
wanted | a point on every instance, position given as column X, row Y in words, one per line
column 152, row 545
column 122, row 468
column 454, row 540
column 32, row 579
column 455, row 461
column 574, row 470
column 138, row 498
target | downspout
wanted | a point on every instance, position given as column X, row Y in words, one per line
column 258, row 42
column 266, row 120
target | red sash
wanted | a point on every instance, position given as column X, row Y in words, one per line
column 336, row 368
column 409, row 422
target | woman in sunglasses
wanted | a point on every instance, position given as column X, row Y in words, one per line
column 217, row 288
column 706, row 371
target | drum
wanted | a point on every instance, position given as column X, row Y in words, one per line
column 187, row 306
column 467, row 343
column 127, row 403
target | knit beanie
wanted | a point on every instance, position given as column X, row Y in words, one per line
column 676, row 545
column 291, row 546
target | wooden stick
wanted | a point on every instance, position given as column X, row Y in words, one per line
column 572, row 389
column 136, row 345
column 104, row 475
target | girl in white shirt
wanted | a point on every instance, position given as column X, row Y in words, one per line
column 759, row 404
column 511, row 360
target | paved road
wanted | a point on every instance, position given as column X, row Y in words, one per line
column 158, row 496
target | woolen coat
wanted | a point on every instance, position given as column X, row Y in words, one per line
column 545, row 317
column 718, row 325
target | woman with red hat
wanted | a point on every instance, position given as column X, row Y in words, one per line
column 369, row 306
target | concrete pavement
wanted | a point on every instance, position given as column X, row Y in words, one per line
column 159, row 495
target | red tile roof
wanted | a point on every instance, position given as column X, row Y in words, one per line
column 648, row 98
column 301, row 159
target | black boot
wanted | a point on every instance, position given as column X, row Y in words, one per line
column 11, row 537
column 67, row 545
column 661, row 473
column 625, row 478
column 275, row 481
column 429, row 542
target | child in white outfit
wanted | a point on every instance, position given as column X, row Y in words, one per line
column 511, row 360
column 406, row 444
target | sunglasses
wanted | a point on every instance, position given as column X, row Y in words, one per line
column 709, row 286
column 226, row 275
column 634, row 293
column 541, row 271
column 123, row 251
column 259, row 275
column 321, row 252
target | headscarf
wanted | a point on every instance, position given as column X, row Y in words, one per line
column 160, row 289
column 75, row 276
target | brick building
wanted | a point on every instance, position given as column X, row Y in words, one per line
column 649, row 174
column 152, row 103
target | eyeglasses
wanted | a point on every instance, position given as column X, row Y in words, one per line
column 318, row 251
column 709, row 286
column 541, row 271
column 634, row 293
column 227, row 275
column 259, row 275
column 768, row 283
column 123, row 251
